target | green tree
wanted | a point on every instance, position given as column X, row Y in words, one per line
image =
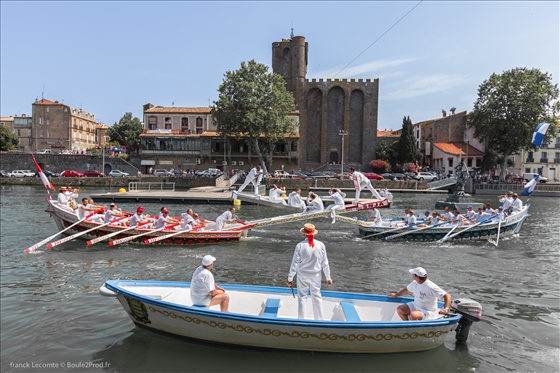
column 126, row 132
column 508, row 109
column 8, row 139
column 254, row 104
column 405, row 149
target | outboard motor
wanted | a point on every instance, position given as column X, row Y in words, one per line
column 470, row 312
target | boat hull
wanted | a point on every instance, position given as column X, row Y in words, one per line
column 65, row 217
column 509, row 227
column 282, row 331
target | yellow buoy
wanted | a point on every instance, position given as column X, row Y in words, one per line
column 237, row 202
column 122, row 190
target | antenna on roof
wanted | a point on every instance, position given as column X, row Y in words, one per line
column 292, row 34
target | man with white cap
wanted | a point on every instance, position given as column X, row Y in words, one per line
column 426, row 295
column 310, row 257
column 204, row 292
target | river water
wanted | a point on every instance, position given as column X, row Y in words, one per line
column 54, row 320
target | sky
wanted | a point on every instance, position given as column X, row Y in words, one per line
column 110, row 58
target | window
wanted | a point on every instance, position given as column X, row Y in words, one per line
column 41, row 120
column 48, row 109
column 152, row 123
column 48, row 122
column 450, row 162
column 184, row 125
column 199, row 128
column 168, row 123
column 41, row 133
column 240, row 163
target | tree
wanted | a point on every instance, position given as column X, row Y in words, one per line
column 126, row 132
column 380, row 166
column 508, row 109
column 8, row 139
column 406, row 150
column 253, row 104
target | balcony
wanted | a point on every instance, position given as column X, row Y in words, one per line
column 544, row 160
column 530, row 160
column 556, row 160
column 170, row 152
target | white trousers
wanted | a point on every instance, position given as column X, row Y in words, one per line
column 246, row 182
column 364, row 185
column 305, row 285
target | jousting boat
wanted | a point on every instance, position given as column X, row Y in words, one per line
column 266, row 317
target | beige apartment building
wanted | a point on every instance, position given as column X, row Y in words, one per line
column 62, row 128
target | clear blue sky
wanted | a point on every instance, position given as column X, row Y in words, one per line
column 110, row 58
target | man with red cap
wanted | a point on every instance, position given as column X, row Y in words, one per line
column 310, row 257
column 138, row 217
column 165, row 219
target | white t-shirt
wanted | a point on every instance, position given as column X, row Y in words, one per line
column 426, row 295
column 202, row 283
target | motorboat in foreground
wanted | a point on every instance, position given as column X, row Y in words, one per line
column 266, row 317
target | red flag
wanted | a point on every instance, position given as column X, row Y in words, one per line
column 44, row 179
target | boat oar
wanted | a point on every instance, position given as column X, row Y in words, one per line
column 66, row 239
column 389, row 231
column 161, row 238
column 466, row 229
column 411, row 231
column 96, row 240
column 498, row 237
column 448, row 233
column 39, row 244
column 126, row 239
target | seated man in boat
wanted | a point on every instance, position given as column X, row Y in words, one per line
column 361, row 182
column 165, row 219
column 447, row 215
column 459, row 219
column 226, row 217
column 99, row 218
column 138, row 217
column 62, row 199
column 315, row 204
column 84, row 210
column 188, row 220
column 204, row 291
column 506, row 199
column 310, row 258
column 410, row 219
column 470, row 213
column 199, row 224
column 434, row 219
column 113, row 213
column 338, row 197
column 294, row 199
column 274, row 195
column 516, row 204
column 426, row 294
column 375, row 216
column 425, row 220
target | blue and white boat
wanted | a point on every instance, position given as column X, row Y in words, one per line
column 266, row 317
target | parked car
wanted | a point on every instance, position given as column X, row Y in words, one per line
column 71, row 173
column 118, row 173
column 329, row 173
column 373, row 176
column 44, row 151
column 399, row 176
column 47, row 173
column 299, row 175
column 211, row 172
column 319, row 175
column 342, row 176
column 388, row 176
column 424, row 176
column 93, row 173
column 4, row 173
column 22, row 173
column 530, row 176
column 162, row 172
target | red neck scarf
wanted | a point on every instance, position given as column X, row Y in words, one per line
column 310, row 240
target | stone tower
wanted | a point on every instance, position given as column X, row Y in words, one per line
column 327, row 107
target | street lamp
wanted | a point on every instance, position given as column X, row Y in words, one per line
column 342, row 133
column 467, row 163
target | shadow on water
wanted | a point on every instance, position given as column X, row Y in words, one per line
column 145, row 351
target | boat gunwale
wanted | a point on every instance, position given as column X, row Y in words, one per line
column 114, row 285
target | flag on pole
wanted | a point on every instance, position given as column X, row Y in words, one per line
column 538, row 135
column 530, row 186
column 44, row 179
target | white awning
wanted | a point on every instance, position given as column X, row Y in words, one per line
column 147, row 162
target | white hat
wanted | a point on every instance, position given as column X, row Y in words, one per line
column 418, row 271
column 207, row 260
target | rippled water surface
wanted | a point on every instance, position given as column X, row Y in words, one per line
column 52, row 313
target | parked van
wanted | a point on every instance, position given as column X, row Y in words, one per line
column 43, row 151
column 531, row 176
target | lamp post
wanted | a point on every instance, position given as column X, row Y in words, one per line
column 225, row 162
column 467, row 162
column 342, row 133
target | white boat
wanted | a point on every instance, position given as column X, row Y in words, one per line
column 266, row 317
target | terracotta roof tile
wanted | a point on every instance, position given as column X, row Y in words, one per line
column 184, row 110
column 44, row 101
column 456, row 148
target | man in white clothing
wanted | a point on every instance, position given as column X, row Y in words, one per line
column 426, row 295
column 62, row 199
column 516, row 204
column 310, row 258
column 226, row 217
column 375, row 216
column 338, row 197
column 361, row 182
column 204, row 291
column 506, row 200
column 252, row 177
column 315, row 204
column 275, row 194
column 294, row 199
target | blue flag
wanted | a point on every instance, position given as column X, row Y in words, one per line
column 530, row 186
column 539, row 133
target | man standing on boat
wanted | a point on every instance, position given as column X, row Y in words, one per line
column 252, row 177
column 310, row 257
column 204, row 291
column 361, row 182
column 426, row 295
